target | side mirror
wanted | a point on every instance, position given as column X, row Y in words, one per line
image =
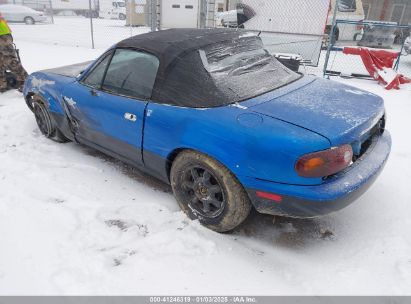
column 79, row 74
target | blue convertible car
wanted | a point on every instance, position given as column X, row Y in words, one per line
column 215, row 115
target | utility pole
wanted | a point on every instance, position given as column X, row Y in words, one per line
column 51, row 12
column 91, row 24
column 202, row 14
column 153, row 15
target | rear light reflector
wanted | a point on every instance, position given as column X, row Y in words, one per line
column 270, row 196
column 325, row 163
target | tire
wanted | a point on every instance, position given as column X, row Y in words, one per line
column 336, row 35
column 208, row 191
column 29, row 103
column 122, row 17
column 29, row 21
column 45, row 123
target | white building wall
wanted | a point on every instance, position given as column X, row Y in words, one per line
column 179, row 13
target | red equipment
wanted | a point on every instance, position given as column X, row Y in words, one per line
column 379, row 65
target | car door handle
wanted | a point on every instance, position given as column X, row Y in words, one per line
column 131, row 117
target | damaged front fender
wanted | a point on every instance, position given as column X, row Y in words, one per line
column 46, row 88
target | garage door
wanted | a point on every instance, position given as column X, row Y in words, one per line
column 179, row 13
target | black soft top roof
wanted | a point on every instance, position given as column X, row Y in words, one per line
column 169, row 45
column 183, row 79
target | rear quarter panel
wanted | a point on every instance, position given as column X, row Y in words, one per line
column 249, row 145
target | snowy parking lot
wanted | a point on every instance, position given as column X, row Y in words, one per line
column 74, row 221
column 76, row 32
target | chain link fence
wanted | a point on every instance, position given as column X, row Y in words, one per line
column 292, row 27
column 288, row 28
column 122, row 19
column 374, row 24
column 81, row 23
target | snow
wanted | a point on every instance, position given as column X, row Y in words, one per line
column 74, row 221
column 348, row 64
column 75, row 31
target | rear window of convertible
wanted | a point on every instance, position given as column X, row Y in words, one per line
column 224, row 73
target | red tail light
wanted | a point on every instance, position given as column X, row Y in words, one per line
column 324, row 163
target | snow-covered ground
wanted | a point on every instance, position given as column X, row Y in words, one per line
column 76, row 31
column 74, row 221
column 348, row 64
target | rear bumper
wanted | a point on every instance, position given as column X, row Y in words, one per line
column 334, row 194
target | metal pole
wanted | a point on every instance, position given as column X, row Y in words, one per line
column 202, row 14
column 51, row 12
column 159, row 8
column 334, row 23
column 397, row 64
column 91, row 24
column 153, row 5
column 128, row 16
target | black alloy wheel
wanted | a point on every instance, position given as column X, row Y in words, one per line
column 208, row 191
column 204, row 192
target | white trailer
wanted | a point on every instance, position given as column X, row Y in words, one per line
column 292, row 27
column 112, row 9
column 187, row 13
column 180, row 13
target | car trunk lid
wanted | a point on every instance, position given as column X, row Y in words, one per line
column 341, row 113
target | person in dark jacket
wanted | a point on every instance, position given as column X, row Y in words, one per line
column 9, row 61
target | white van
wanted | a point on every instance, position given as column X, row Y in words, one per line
column 110, row 9
column 351, row 10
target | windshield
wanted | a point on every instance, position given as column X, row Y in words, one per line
column 121, row 4
column 244, row 69
column 347, row 5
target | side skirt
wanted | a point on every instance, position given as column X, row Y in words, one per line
column 155, row 165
